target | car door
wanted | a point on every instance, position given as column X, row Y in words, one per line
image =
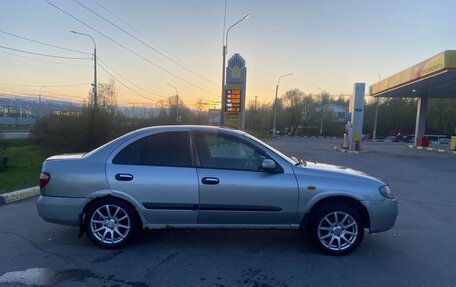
column 233, row 188
column 157, row 170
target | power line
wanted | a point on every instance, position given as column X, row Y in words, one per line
column 139, row 94
column 46, row 61
column 21, row 96
column 144, row 43
column 44, row 55
column 43, row 67
column 51, row 86
column 130, row 50
column 59, row 96
column 139, row 87
column 131, row 27
column 45, row 44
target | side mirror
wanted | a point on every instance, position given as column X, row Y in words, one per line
column 268, row 165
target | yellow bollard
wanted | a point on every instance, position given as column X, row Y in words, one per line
column 453, row 143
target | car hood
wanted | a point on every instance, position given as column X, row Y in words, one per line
column 333, row 168
column 335, row 171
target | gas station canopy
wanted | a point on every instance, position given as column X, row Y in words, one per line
column 432, row 78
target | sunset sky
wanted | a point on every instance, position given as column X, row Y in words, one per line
column 326, row 44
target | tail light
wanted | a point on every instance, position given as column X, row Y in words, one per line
column 44, row 179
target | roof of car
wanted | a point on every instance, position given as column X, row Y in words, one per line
column 192, row 127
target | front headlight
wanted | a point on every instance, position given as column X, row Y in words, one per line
column 386, row 192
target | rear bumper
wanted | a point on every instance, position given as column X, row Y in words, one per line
column 382, row 214
column 60, row 210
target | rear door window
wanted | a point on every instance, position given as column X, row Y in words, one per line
column 162, row 149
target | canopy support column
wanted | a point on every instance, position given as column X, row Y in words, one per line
column 420, row 120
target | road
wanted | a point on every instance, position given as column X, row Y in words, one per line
column 419, row 251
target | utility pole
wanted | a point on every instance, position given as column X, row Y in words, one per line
column 274, row 114
column 177, row 103
column 95, row 97
column 95, row 91
column 177, row 108
column 321, row 112
column 39, row 102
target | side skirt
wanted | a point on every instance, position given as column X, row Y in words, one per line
column 223, row 226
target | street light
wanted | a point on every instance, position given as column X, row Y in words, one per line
column 275, row 105
column 322, row 110
column 225, row 49
column 177, row 100
column 94, row 67
column 39, row 102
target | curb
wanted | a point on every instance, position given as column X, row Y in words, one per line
column 438, row 150
column 351, row 151
column 19, row 195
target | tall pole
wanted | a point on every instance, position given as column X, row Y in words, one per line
column 225, row 48
column 222, row 110
column 95, row 91
column 95, row 97
column 321, row 112
column 39, row 102
column 177, row 102
column 374, row 136
column 274, row 112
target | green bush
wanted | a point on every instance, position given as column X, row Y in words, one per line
column 78, row 132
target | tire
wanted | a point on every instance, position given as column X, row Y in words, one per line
column 337, row 228
column 111, row 222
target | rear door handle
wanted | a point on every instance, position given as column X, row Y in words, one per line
column 210, row 180
column 124, row 177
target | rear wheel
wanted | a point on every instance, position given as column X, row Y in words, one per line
column 337, row 228
column 110, row 223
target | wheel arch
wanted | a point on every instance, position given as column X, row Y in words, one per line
column 120, row 196
column 350, row 201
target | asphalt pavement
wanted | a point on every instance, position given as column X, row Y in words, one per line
column 419, row 251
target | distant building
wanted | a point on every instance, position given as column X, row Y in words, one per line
column 340, row 114
column 214, row 117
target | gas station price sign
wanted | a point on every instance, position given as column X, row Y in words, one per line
column 233, row 101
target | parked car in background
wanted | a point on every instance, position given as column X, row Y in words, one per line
column 436, row 137
column 409, row 139
column 391, row 139
column 444, row 141
column 208, row 177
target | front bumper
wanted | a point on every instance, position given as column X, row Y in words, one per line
column 382, row 214
column 61, row 210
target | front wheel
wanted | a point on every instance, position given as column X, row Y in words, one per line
column 110, row 223
column 337, row 229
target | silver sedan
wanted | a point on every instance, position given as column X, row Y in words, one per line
column 208, row 177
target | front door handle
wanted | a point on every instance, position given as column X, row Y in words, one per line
column 124, row 177
column 210, row 180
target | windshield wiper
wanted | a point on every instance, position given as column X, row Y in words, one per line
column 299, row 161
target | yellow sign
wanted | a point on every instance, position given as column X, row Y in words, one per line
column 443, row 61
column 356, row 137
